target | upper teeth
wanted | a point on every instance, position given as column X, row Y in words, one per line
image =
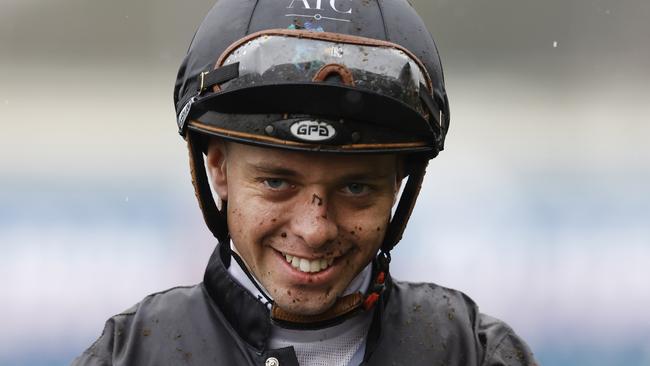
column 305, row 265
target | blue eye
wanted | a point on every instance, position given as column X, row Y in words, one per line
column 356, row 188
column 275, row 183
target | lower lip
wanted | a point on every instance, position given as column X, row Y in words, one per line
column 312, row 278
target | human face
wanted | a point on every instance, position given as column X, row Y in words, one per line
column 326, row 214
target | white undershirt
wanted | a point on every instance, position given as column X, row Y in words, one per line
column 342, row 344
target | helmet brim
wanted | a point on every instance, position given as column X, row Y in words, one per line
column 264, row 113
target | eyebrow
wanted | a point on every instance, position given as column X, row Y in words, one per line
column 369, row 175
column 266, row 168
column 274, row 170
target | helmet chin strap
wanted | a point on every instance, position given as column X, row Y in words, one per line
column 346, row 306
column 406, row 204
column 214, row 218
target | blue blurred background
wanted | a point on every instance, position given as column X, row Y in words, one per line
column 539, row 208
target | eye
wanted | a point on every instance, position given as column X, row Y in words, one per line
column 355, row 189
column 275, row 183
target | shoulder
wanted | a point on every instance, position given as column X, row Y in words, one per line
column 438, row 314
column 441, row 302
column 502, row 345
column 146, row 319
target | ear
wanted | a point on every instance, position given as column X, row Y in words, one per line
column 217, row 166
column 400, row 174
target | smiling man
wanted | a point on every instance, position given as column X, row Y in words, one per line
column 305, row 224
column 304, row 119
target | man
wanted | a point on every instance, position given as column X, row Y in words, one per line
column 311, row 114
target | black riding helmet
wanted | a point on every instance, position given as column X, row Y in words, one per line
column 326, row 75
column 335, row 76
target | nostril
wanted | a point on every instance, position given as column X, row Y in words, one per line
column 316, row 231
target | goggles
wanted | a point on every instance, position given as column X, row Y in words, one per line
column 280, row 58
column 320, row 74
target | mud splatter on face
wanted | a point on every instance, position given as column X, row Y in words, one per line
column 315, row 199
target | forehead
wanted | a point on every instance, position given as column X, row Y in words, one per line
column 263, row 158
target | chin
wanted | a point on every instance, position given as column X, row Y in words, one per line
column 301, row 306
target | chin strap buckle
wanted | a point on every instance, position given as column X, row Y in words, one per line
column 377, row 288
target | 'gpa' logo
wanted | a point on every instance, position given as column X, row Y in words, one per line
column 309, row 130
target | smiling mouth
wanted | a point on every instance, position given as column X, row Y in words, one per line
column 306, row 265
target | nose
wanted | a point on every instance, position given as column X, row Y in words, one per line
column 313, row 222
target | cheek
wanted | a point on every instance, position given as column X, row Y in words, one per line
column 251, row 221
column 367, row 227
column 235, row 220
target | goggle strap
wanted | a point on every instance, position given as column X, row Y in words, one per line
column 208, row 79
column 434, row 120
column 445, row 120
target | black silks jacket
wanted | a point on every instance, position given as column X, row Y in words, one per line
column 218, row 322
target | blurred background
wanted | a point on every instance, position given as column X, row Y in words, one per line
column 539, row 208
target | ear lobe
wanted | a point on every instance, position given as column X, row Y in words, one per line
column 217, row 168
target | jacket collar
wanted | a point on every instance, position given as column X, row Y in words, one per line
column 246, row 314
column 249, row 317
